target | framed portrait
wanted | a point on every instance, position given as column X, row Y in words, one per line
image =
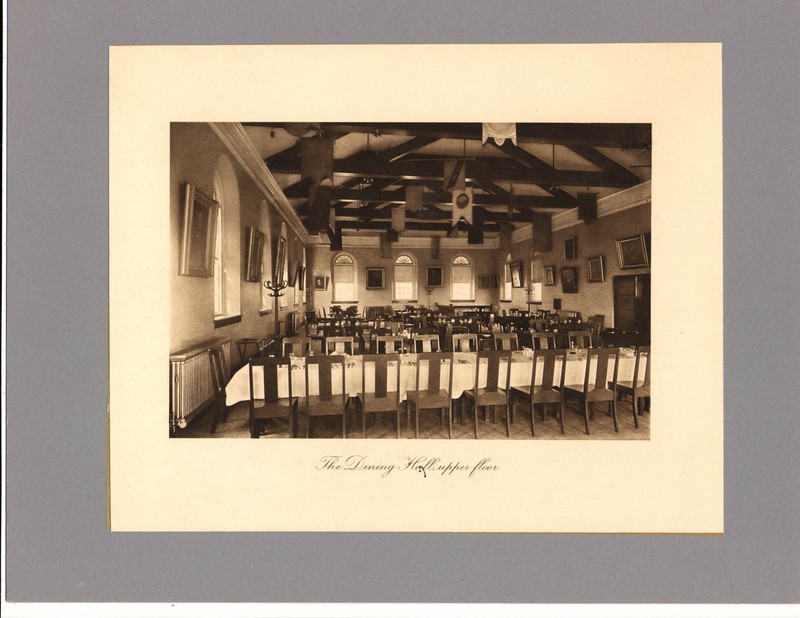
column 320, row 282
column 569, row 280
column 571, row 248
column 632, row 252
column 280, row 259
column 486, row 282
column 254, row 259
column 375, row 278
column 516, row 274
column 434, row 278
column 294, row 272
column 549, row 275
column 199, row 233
column 595, row 273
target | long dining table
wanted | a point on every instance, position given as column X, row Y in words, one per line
column 463, row 367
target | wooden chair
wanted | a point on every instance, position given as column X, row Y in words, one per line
column 296, row 346
column 383, row 398
column 491, row 394
column 219, row 378
column 545, row 392
column 389, row 344
column 465, row 342
column 325, row 403
column 537, row 325
column 581, row 338
column 544, row 341
column 339, row 345
column 506, row 341
column 633, row 388
column 395, row 326
column 597, row 388
column 270, row 405
column 596, row 323
column 433, row 396
column 425, row 343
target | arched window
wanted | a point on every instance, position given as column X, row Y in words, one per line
column 344, row 278
column 507, row 279
column 461, row 279
column 405, row 278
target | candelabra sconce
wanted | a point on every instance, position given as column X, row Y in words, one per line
column 275, row 292
column 529, row 292
column 429, row 290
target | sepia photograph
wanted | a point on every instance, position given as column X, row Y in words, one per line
column 453, row 367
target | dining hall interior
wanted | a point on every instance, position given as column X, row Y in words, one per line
column 366, row 280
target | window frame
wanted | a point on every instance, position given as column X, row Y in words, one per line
column 453, row 266
column 354, row 264
column 414, row 281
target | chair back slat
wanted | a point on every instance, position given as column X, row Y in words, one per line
column 325, row 375
column 339, row 345
column 493, row 360
column 381, row 387
column 602, row 357
column 219, row 369
column 582, row 338
column 549, row 358
column 470, row 340
column 506, row 341
column 544, row 341
column 425, row 343
column 389, row 344
column 434, row 362
column 269, row 367
column 642, row 355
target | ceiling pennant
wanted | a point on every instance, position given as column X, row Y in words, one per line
column 462, row 205
column 414, row 198
column 454, row 173
column 500, row 132
column 316, row 158
column 399, row 218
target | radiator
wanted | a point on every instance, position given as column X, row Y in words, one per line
column 191, row 386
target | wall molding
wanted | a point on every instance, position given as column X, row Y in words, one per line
column 239, row 145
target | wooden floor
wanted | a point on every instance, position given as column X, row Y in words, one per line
column 601, row 427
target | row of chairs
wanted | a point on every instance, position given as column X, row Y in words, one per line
column 385, row 396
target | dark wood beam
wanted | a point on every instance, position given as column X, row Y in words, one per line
column 401, row 150
column 606, row 135
column 487, row 169
column 607, row 164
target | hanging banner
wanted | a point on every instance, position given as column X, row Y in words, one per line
column 316, row 158
column 462, row 205
column 454, row 172
column 500, row 132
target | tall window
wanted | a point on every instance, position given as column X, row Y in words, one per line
column 344, row 278
column 461, row 279
column 219, row 275
column 507, row 279
column 536, row 281
column 405, row 279
column 303, row 284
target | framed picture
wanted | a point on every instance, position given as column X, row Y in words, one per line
column 632, row 252
column 569, row 280
column 595, row 273
column 516, row 274
column 549, row 275
column 375, row 278
column 254, row 243
column 280, row 260
column 434, row 277
column 486, row 282
column 293, row 274
column 320, row 282
column 571, row 248
column 199, row 233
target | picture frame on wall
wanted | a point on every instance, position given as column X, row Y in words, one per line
column 280, row 260
column 199, row 233
column 320, row 282
column 632, row 252
column 569, row 280
column 434, row 277
column 375, row 278
column 549, row 275
column 571, row 248
column 486, row 282
column 595, row 271
column 254, row 243
column 516, row 274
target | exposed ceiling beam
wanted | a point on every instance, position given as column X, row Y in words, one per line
column 398, row 197
column 398, row 152
column 607, row 164
column 629, row 136
column 487, row 169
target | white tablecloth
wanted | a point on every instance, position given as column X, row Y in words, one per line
column 238, row 388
